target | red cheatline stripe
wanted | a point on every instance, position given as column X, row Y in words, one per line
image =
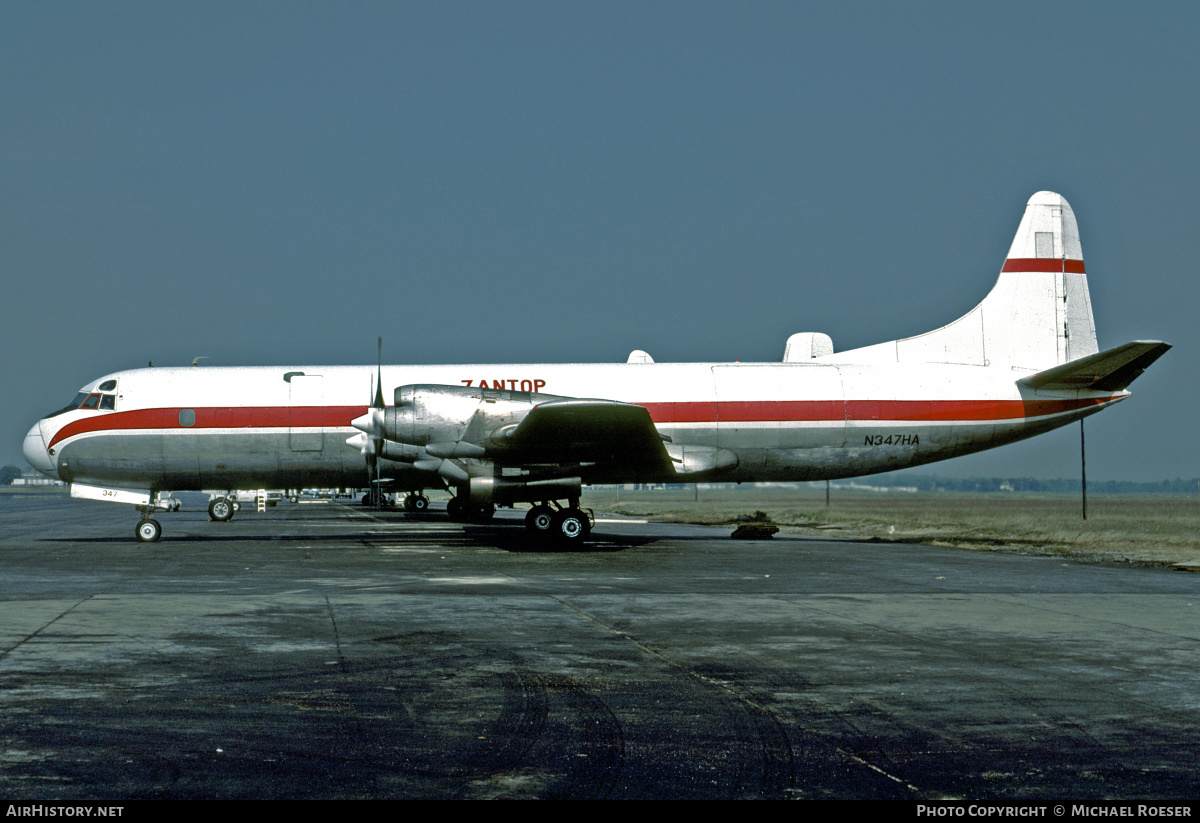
column 761, row 411
column 1043, row 264
column 788, row 411
column 972, row 410
column 240, row 417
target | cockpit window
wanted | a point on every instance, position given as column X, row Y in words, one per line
column 72, row 406
column 107, row 385
column 84, row 400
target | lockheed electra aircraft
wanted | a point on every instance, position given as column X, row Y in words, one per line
column 1022, row 362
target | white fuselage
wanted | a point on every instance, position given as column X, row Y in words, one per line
column 287, row 427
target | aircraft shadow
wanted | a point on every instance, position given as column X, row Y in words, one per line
column 512, row 538
column 517, row 540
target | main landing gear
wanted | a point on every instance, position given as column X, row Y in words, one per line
column 567, row 525
column 464, row 512
column 416, row 502
column 540, row 519
column 570, row 525
column 376, row 498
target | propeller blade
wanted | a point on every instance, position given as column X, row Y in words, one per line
column 378, row 403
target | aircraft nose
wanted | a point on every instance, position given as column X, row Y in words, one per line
column 36, row 454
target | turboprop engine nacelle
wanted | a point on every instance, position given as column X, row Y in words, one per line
column 503, row 491
column 432, row 414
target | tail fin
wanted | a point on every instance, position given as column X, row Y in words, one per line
column 1038, row 315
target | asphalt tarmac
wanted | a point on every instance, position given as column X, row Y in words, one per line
column 320, row 650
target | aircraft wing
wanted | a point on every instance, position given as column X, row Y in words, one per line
column 1111, row 370
column 583, row 431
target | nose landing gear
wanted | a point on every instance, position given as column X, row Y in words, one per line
column 220, row 509
column 148, row 530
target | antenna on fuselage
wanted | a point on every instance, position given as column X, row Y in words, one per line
column 196, row 360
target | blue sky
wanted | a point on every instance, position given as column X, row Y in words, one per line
column 509, row 182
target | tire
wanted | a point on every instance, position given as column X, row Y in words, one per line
column 148, row 530
column 420, row 503
column 220, row 509
column 482, row 512
column 571, row 527
column 454, row 508
column 540, row 519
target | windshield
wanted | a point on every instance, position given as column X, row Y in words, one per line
column 72, row 406
column 92, row 401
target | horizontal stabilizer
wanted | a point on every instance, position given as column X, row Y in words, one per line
column 1110, row 370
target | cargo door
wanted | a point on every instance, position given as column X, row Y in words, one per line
column 780, row 406
column 747, row 424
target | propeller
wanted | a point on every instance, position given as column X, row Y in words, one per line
column 377, row 403
column 370, row 443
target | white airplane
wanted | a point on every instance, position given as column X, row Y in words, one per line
column 1022, row 362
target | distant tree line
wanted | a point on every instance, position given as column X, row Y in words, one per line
column 8, row 474
column 933, row 483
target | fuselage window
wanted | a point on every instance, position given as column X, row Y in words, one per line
column 108, row 401
column 92, row 402
column 187, row 417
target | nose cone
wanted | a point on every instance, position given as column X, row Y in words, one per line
column 34, row 448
